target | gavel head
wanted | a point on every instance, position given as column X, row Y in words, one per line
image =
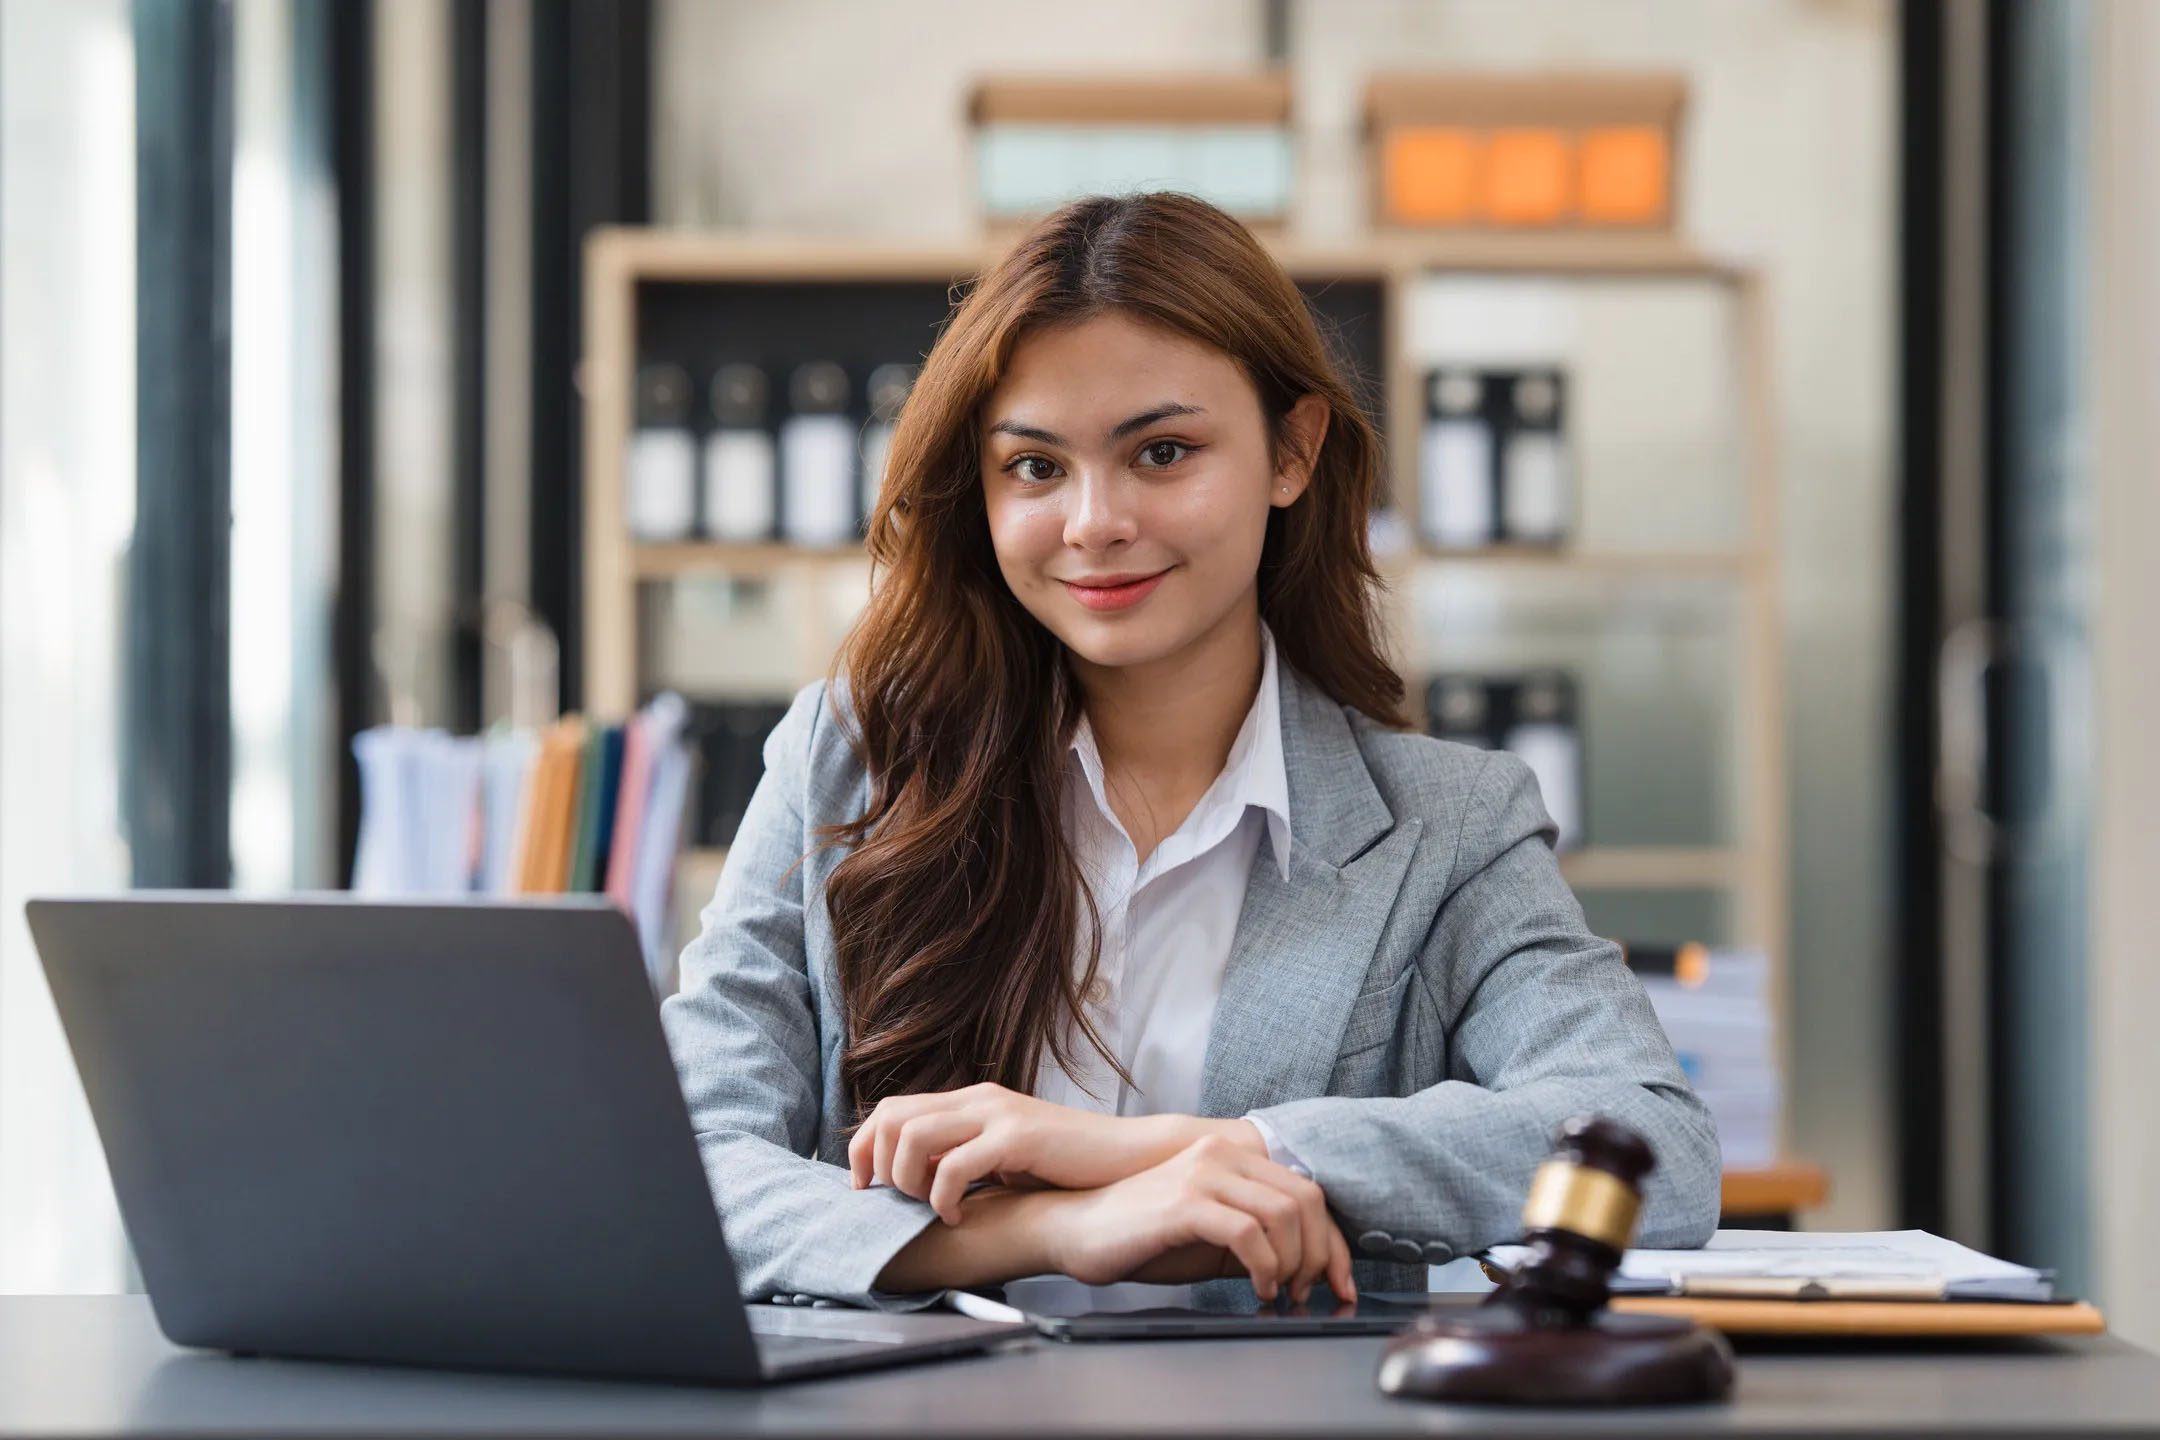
column 1579, row 1217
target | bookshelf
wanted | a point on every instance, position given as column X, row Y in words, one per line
column 625, row 268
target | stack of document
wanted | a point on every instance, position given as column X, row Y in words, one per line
column 1783, row 1265
column 1715, row 1007
column 572, row 808
column 419, row 790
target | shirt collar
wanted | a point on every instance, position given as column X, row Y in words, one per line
column 1253, row 774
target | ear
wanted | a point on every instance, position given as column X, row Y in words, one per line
column 1304, row 429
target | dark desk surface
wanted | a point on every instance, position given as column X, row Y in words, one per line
column 96, row 1366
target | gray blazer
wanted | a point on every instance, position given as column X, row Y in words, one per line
column 1414, row 1011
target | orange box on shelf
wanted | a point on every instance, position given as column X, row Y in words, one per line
column 1626, row 175
column 1529, row 177
column 1575, row 152
column 1430, row 172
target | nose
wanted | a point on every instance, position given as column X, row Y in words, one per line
column 1099, row 514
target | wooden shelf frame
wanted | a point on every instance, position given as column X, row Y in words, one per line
column 1596, row 867
column 696, row 557
column 1198, row 98
column 634, row 254
column 677, row 559
column 1752, row 870
column 1655, row 867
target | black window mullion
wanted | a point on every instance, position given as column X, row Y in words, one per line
column 352, row 144
column 177, row 726
column 469, row 240
column 591, row 93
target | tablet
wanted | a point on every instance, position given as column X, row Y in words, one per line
column 1064, row 1309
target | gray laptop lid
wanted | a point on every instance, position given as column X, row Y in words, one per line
column 433, row 1134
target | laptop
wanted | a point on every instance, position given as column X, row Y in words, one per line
column 443, row 1134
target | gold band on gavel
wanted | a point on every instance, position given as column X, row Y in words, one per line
column 1588, row 1202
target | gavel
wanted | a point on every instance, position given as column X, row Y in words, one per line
column 1545, row 1337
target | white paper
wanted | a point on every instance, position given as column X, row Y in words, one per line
column 877, row 443
column 379, row 859
column 506, row 767
column 419, row 805
column 1806, row 1255
column 1455, row 500
column 660, row 836
column 817, row 468
column 1535, row 490
column 662, row 484
column 1722, row 1033
column 1554, row 754
column 739, row 485
column 447, row 807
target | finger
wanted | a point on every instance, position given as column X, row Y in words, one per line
column 1278, row 1213
column 863, row 1145
column 958, row 1168
column 862, row 1149
column 1310, row 1217
column 921, row 1141
column 1314, row 1221
column 893, row 1114
column 1318, row 1231
column 1238, row 1232
column 1309, row 1207
column 1340, row 1280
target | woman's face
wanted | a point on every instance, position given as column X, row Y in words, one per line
column 1128, row 478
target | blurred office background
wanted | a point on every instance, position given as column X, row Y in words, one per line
column 310, row 384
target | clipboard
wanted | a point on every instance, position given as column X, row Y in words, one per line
column 1779, row 1283
column 1874, row 1318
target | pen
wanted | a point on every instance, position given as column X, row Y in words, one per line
column 980, row 1307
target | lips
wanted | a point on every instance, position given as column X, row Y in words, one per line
column 1121, row 593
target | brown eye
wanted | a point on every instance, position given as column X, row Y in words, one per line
column 1023, row 468
column 1164, row 452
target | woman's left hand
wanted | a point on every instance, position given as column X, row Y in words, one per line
column 934, row 1146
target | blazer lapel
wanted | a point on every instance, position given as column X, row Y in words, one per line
column 1303, row 945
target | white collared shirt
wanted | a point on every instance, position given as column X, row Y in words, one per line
column 1167, row 922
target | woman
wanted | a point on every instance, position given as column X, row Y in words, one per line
column 1098, row 870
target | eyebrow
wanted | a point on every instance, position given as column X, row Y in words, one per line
column 1117, row 432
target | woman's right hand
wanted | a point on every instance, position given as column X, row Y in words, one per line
column 1213, row 1209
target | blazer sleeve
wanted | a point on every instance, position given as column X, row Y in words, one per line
column 744, row 1033
column 1548, row 1022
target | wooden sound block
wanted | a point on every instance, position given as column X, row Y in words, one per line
column 1493, row 1354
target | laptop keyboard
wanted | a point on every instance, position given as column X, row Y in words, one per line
column 783, row 1330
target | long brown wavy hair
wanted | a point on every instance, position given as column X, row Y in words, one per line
column 954, row 916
